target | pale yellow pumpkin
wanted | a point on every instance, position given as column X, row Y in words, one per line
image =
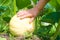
column 21, row 26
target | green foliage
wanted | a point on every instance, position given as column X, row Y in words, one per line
column 55, row 4
column 22, row 3
column 25, row 3
column 2, row 38
column 51, row 17
column 58, row 1
column 7, row 19
column 3, row 8
column 46, row 26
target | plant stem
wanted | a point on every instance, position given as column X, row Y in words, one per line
column 14, row 6
column 56, row 33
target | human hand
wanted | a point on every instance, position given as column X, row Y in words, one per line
column 27, row 13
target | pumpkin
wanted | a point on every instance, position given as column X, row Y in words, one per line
column 21, row 27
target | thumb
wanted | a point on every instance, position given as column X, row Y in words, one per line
column 31, row 20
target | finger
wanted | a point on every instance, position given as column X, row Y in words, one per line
column 21, row 13
column 32, row 19
column 26, row 16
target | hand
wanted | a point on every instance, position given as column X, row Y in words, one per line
column 27, row 13
column 32, row 13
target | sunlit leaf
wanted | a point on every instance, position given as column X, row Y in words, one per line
column 45, row 24
column 53, row 3
column 58, row 1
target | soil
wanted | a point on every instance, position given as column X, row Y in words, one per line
column 18, row 38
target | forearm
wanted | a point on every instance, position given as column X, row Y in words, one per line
column 40, row 5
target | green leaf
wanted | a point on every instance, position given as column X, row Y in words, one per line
column 58, row 1
column 3, row 8
column 45, row 24
column 35, row 1
column 0, row 1
column 53, row 3
column 22, row 3
column 4, row 2
column 7, row 19
column 43, row 31
column 51, row 17
column 2, row 38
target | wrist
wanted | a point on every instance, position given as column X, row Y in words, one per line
column 40, row 5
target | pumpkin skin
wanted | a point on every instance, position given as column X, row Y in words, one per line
column 19, row 27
